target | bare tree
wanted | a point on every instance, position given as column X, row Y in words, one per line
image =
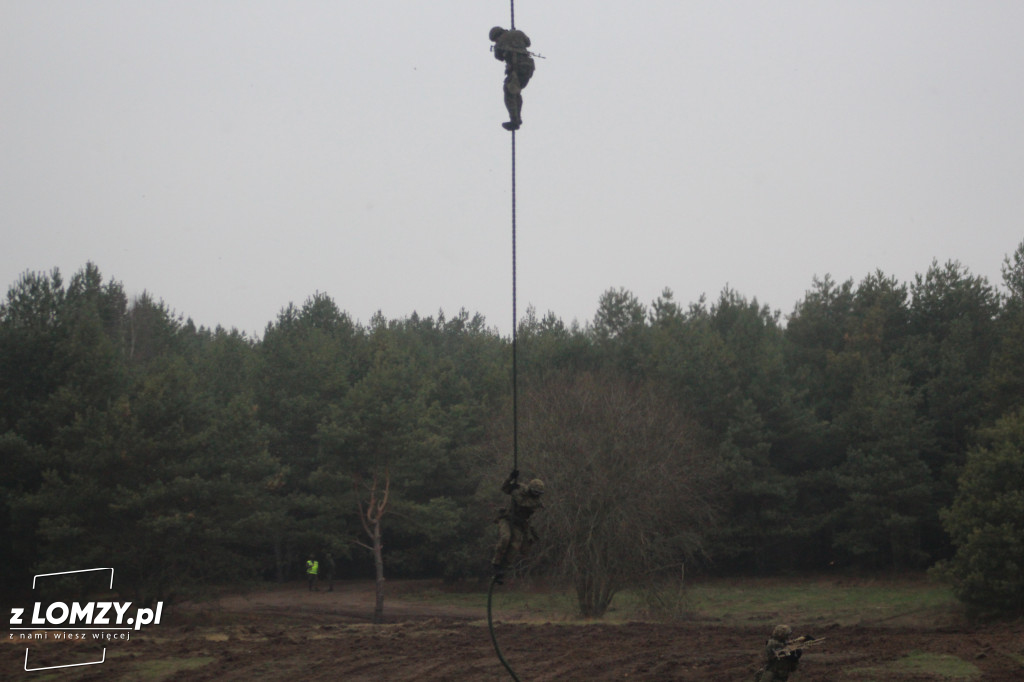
column 629, row 487
column 371, row 516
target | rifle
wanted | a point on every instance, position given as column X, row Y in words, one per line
column 798, row 644
column 521, row 50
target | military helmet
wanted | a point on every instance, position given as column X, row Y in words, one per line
column 496, row 32
column 536, row 486
column 782, row 632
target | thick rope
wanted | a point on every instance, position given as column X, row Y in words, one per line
column 490, row 626
column 515, row 322
column 515, row 381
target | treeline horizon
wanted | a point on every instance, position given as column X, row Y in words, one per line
column 860, row 435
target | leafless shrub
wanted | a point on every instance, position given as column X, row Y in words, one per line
column 630, row 489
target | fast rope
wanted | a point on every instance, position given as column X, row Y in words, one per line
column 515, row 318
column 515, row 403
column 515, row 323
column 494, row 640
column 515, row 379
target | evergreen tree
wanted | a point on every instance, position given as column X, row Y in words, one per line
column 986, row 523
column 1005, row 384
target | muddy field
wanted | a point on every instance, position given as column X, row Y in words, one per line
column 292, row 634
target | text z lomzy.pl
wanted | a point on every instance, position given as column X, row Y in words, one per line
column 89, row 614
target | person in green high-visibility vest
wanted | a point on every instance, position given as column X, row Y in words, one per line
column 312, row 569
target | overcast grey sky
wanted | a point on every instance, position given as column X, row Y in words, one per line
column 231, row 157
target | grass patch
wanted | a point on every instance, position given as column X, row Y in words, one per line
column 163, row 668
column 921, row 663
column 530, row 602
column 846, row 603
column 751, row 602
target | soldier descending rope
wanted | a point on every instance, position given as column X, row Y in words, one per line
column 514, row 532
column 510, row 47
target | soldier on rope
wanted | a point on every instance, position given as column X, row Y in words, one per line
column 510, row 47
column 515, row 536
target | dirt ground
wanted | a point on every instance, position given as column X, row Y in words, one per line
column 291, row 634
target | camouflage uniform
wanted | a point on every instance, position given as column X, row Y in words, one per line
column 510, row 47
column 776, row 667
column 515, row 536
column 330, row 566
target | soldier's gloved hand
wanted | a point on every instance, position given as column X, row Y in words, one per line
column 514, row 476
